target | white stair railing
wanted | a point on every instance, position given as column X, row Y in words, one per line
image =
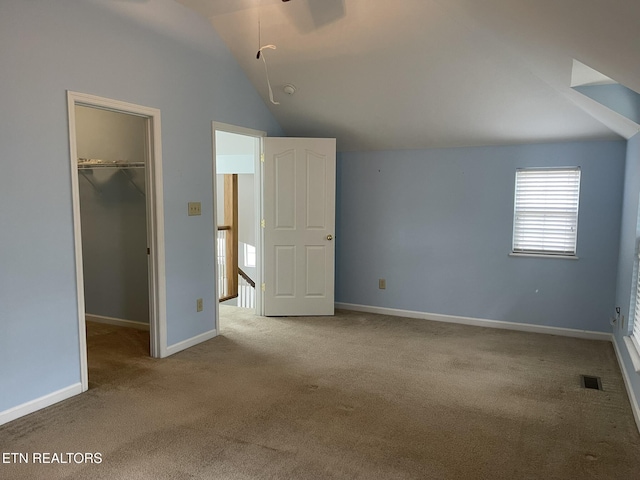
column 223, row 277
column 246, row 291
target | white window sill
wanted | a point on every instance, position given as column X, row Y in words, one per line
column 543, row 255
column 633, row 353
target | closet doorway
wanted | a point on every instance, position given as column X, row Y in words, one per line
column 238, row 187
column 118, row 228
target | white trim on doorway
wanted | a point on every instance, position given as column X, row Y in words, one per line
column 155, row 222
column 225, row 127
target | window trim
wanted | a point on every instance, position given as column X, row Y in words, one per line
column 633, row 333
column 533, row 253
column 543, row 255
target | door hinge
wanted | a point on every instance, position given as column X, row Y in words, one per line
column 262, row 157
column 148, row 251
column 263, row 287
column 263, row 224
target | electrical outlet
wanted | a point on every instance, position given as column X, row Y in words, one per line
column 199, row 305
column 382, row 284
column 194, row 209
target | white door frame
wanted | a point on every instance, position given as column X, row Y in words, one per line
column 155, row 222
column 257, row 178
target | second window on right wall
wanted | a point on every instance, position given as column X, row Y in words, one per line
column 545, row 217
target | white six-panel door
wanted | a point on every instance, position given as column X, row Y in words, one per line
column 299, row 226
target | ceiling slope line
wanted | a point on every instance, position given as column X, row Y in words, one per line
column 615, row 122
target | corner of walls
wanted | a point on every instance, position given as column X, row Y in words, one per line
column 628, row 228
column 626, row 259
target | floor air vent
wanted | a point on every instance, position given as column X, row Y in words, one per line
column 588, row 381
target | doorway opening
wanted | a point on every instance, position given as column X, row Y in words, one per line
column 116, row 181
column 294, row 188
column 238, row 211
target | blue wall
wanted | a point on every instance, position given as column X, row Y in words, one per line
column 437, row 225
column 46, row 48
column 616, row 97
column 627, row 251
column 114, row 243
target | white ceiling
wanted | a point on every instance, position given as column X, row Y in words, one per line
column 382, row 75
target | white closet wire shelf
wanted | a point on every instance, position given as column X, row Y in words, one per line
column 85, row 164
column 92, row 163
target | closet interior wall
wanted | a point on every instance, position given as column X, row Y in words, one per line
column 111, row 151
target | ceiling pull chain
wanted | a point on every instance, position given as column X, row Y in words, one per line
column 264, row 60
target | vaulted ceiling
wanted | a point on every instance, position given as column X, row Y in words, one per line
column 381, row 75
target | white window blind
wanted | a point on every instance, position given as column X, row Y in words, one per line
column 545, row 217
column 636, row 314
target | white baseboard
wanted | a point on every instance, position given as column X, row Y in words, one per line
column 478, row 322
column 116, row 321
column 627, row 383
column 39, row 403
column 178, row 347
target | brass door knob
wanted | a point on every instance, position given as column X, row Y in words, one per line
column 329, row 237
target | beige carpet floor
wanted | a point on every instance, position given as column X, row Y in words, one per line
column 355, row 396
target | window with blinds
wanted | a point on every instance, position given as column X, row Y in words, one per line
column 545, row 219
column 635, row 332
